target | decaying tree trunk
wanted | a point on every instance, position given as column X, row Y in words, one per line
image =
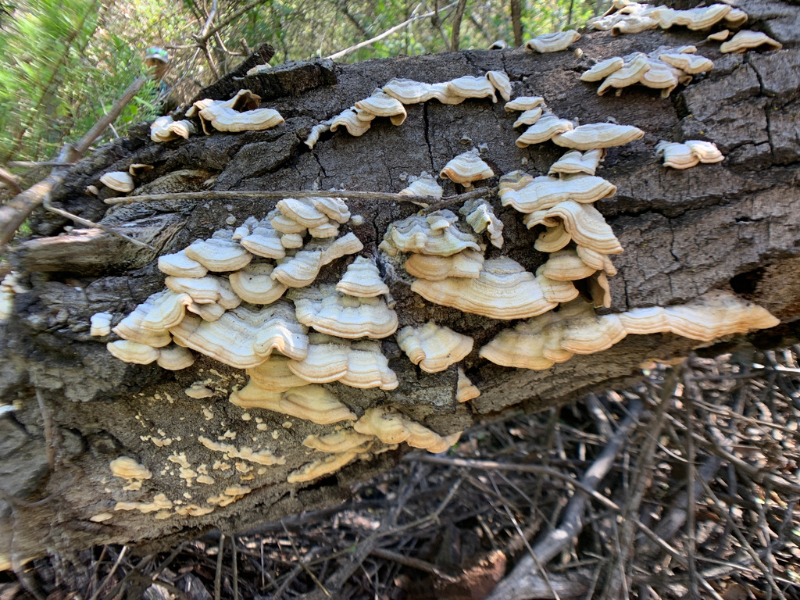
column 732, row 225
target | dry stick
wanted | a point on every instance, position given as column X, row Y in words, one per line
column 49, row 426
column 412, row 562
column 387, row 33
column 457, row 25
column 113, row 570
column 19, row 208
column 351, row 195
column 218, row 574
column 690, row 390
column 514, row 584
column 11, row 181
column 302, row 563
column 234, row 560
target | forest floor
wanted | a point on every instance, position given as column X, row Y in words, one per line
column 452, row 526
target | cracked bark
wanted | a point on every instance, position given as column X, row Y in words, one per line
column 732, row 225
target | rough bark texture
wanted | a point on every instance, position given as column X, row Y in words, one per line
column 730, row 225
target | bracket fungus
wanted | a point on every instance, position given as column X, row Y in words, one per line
column 545, row 192
column 465, row 390
column 574, row 162
column 160, row 502
column 408, row 91
column 303, row 212
column 119, row 181
column 392, row 428
column 264, row 240
column 749, row 40
column 552, row 239
column 228, row 116
column 501, row 82
column 355, row 364
column 480, row 216
column 553, row 42
column 629, row 74
column 302, row 269
column 316, row 131
column 566, row 265
column 529, row 117
column 131, row 329
column 544, row 129
column 466, row 168
column 133, row 352
column 433, row 347
column 338, row 441
column 362, row 279
column 100, row 324
column 350, row 121
column 309, row 402
column 523, row 103
column 424, row 185
column 435, row 234
column 322, row 466
column 382, row 104
column 253, row 284
column 584, row 223
column 261, row 457
column 633, row 17
column 342, row 315
column 243, row 338
column 688, row 154
column 210, row 289
column 598, row 135
column 180, row 265
column 467, row 263
column 472, row 87
column 219, row 255
column 275, row 375
column 130, row 470
column 603, row 69
column 504, row 290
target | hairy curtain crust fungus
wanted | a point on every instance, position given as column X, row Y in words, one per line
column 392, row 428
column 480, row 216
column 574, row 162
column 344, row 440
column 180, row 265
column 382, row 104
column 529, row 117
column 424, row 185
column 219, row 255
column 524, row 103
column 341, row 315
column 465, row 390
column 130, row 328
column 355, row 364
column 435, row 234
column 552, row 42
column 471, row 87
column 598, row 135
column 408, row 91
column 583, row 222
column 119, row 181
column 543, row 193
column 253, row 284
column 362, row 279
column 504, row 290
column 130, row 470
column 467, row 263
column 544, row 129
column 205, row 290
column 100, row 324
column 264, row 241
column 433, row 347
column 629, row 74
column 350, row 121
column 226, row 116
column 566, row 265
column 466, row 168
column 243, row 338
column 275, row 375
column 501, row 83
column 603, row 69
column 133, row 352
column 309, row 402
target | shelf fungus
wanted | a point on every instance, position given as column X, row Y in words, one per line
column 392, row 428
column 131, row 471
column 253, row 284
column 566, row 265
column 180, row 265
column 316, row 131
column 350, row 121
column 355, row 364
column 552, row 239
column 210, row 289
column 544, row 129
column 230, row 495
column 501, row 82
column 466, row 168
column 598, row 135
column 467, row 263
column 382, row 104
column 160, row 503
column 131, row 329
column 240, row 113
column 344, row 440
column 603, row 69
column 504, row 290
column 119, row 181
column 243, row 338
column 748, row 40
column 575, row 329
column 100, row 324
column 691, row 64
column 275, row 375
column 133, row 352
column 260, row 457
column 472, row 87
column 302, row 269
column 219, row 255
column 465, row 390
column 634, row 17
column 629, row 74
column 362, row 279
column 309, row 402
column 435, row 234
column 688, row 154
column 408, row 91
column 322, row 466
column 433, row 347
column 573, row 163
column 264, row 240
column 584, row 223
column 342, row 315
column 552, row 42
column 480, row 216
column 524, row 103
column 545, row 192
column 302, row 211
column 424, row 185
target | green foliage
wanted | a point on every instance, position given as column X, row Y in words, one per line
column 63, row 64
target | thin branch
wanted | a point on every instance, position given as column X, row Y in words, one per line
column 516, row 20
column 11, row 181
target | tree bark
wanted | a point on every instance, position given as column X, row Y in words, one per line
column 733, row 225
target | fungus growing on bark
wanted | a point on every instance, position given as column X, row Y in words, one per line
column 480, row 216
column 392, row 428
column 688, row 154
column 230, row 495
column 100, row 324
column 341, row 315
column 706, row 152
column 264, row 240
column 359, row 364
column 309, row 402
column 285, row 225
column 301, row 269
column 471, row 87
column 424, row 185
column 137, row 169
column 435, row 234
column 292, row 241
column 583, row 222
column 688, row 63
column 544, row 129
column 634, row 17
column 205, row 290
column 362, row 279
column 433, row 347
column 175, row 358
column 552, row 239
column 381, row 104
column 504, row 290
column 131, row 471
column 167, row 310
column 499, row 45
column 629, row 74
column 524, row 103
column 243, row 338
column 198, row 391
column 545, row 192
column 322, row 466
column 261, row 457
column 574, row 162
column 325, row 231
column 180, row 265
column 661, row 76
column 465, row 390
column 338, row 441
column 408, row 91
column 303, row 212
column 603, row 69
column 467, row 263
column 501, row 82
column 529, row 117
column 253, row 284
column 466, row 168
column 552, row 42
column 334, row 208
column 226, row 116
column 275, row 375
column 350, row 121
column 130, row 328
column 119, row 181
column 598, row 135
column 566, row 265
column 160, row 131
column 160, row 502
column 219, row 255
column 316, row 131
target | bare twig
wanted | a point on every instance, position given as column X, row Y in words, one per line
column 11, row 181
column 218, row 574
